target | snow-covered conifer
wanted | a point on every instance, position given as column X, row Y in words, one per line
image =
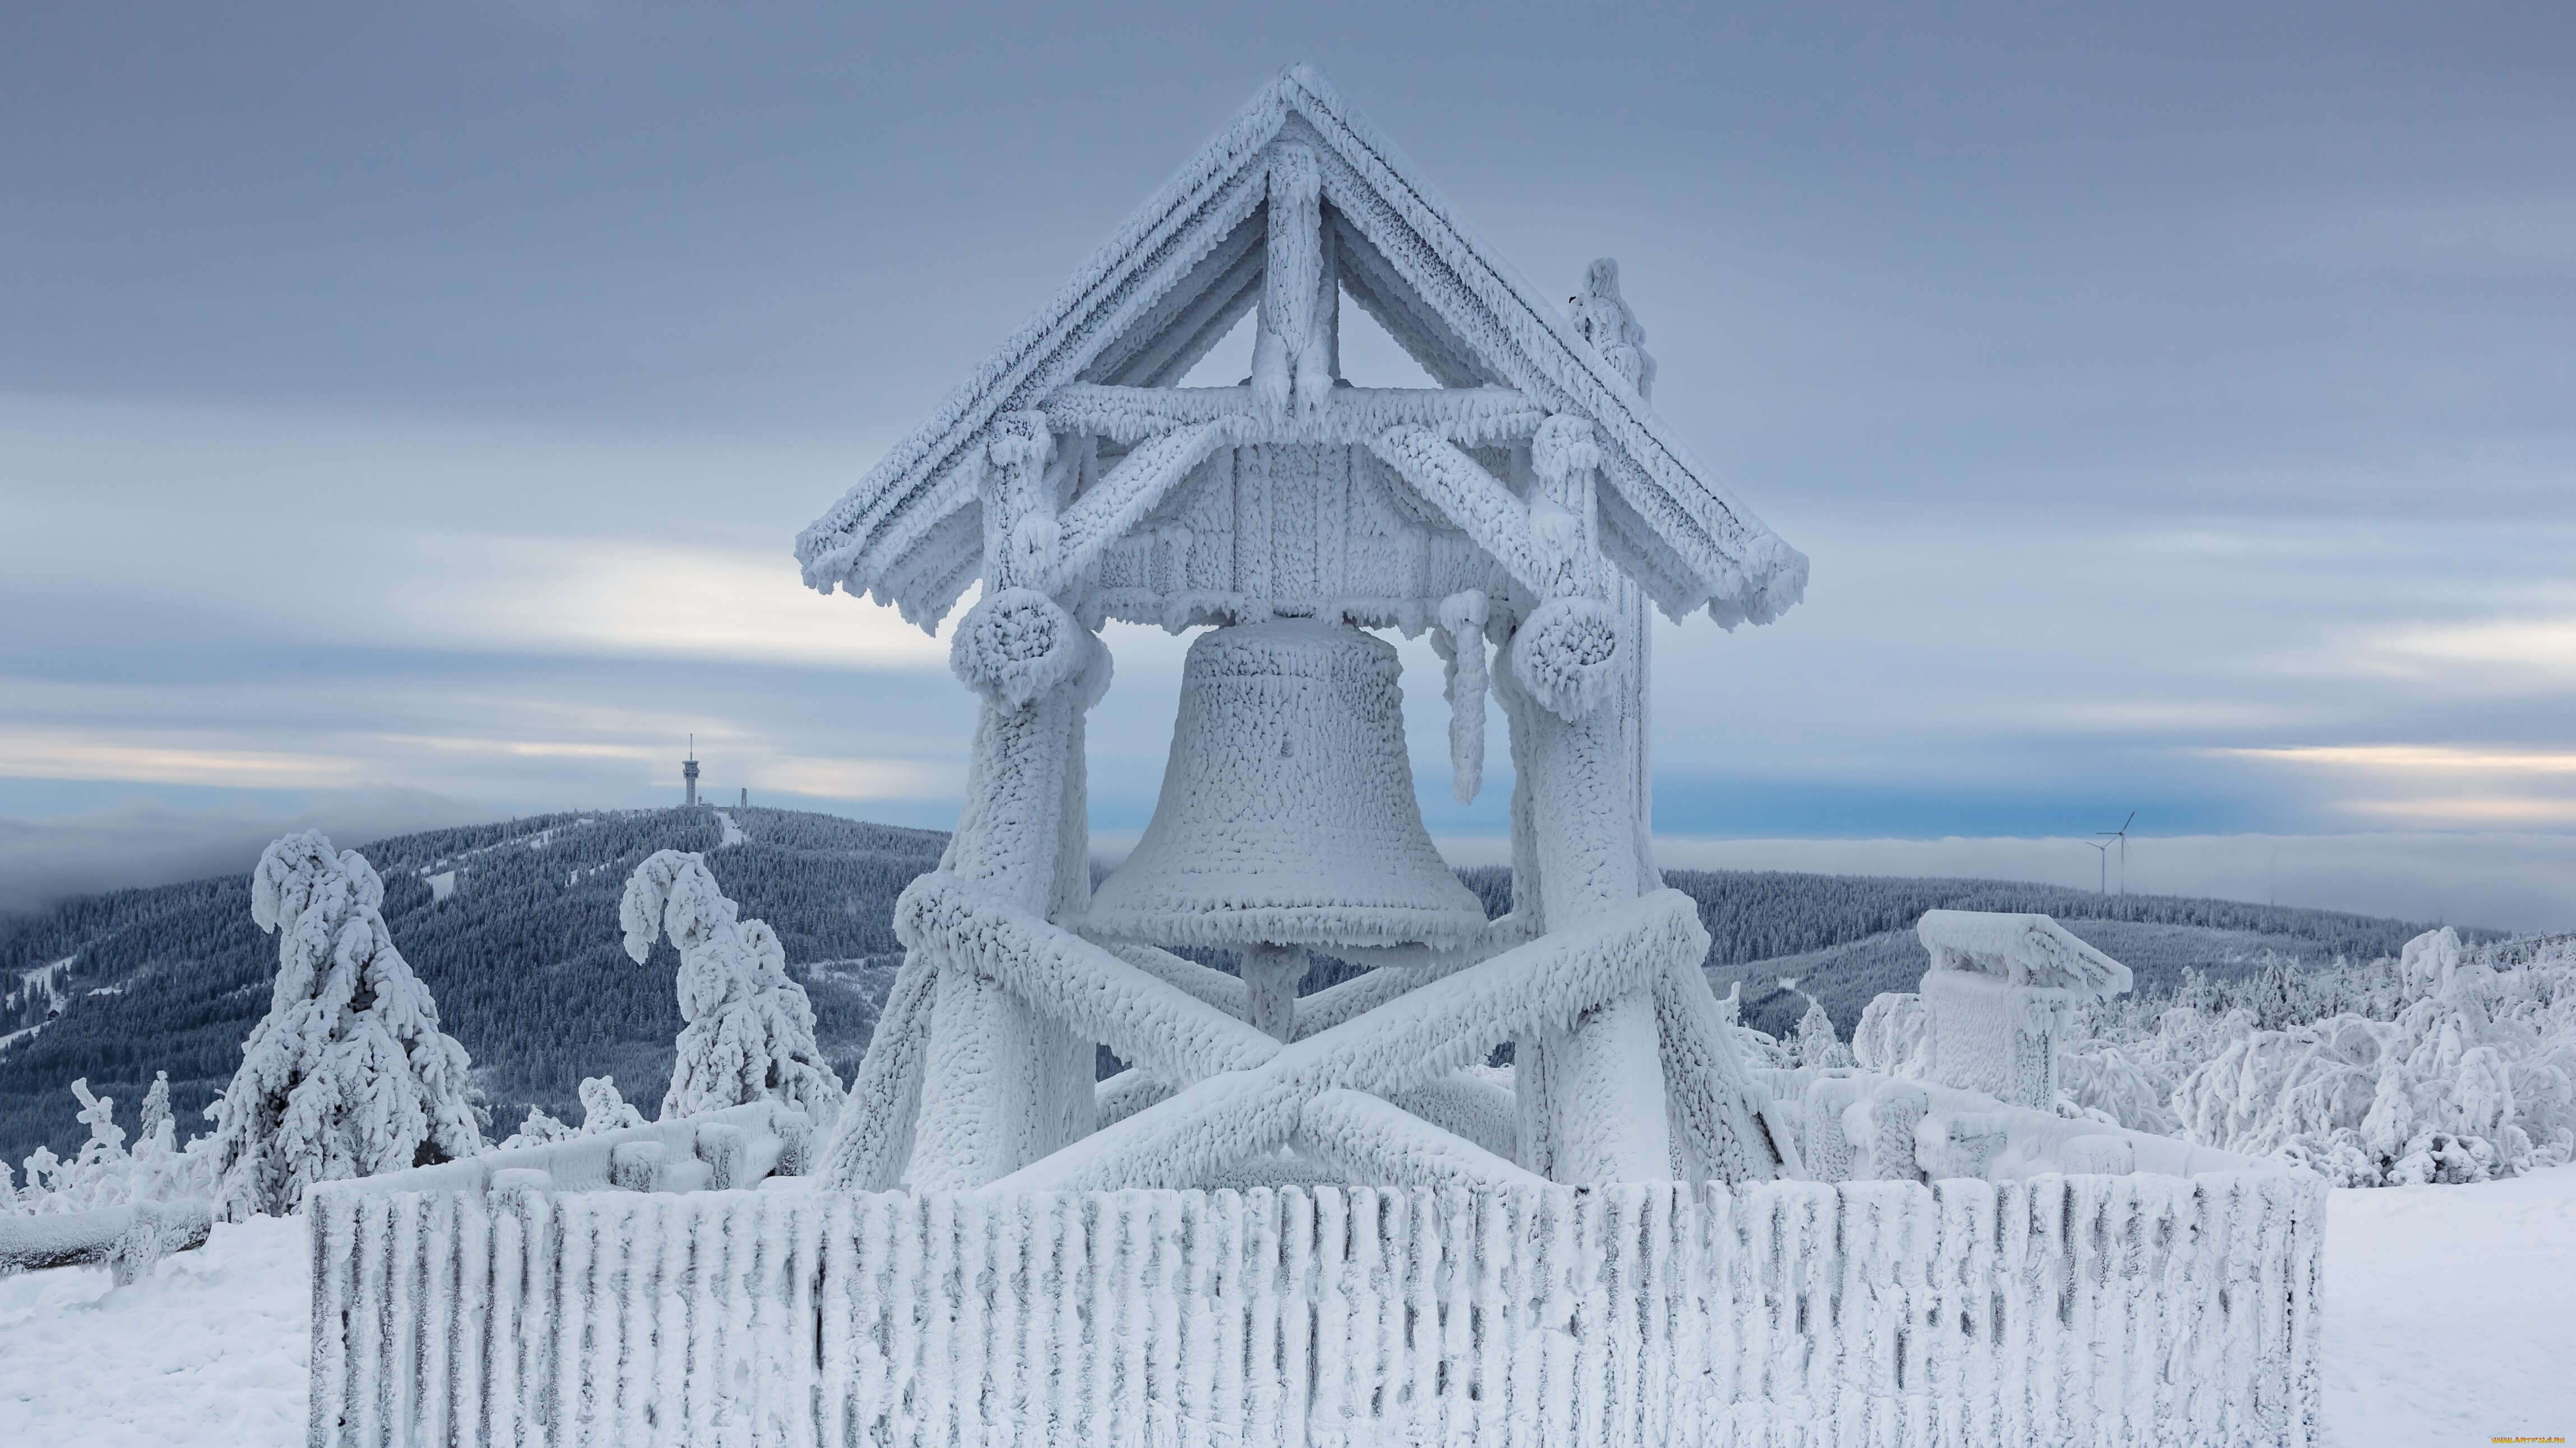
column 349, row 1074
column 1819, row 1048
column 750, row 1029
column 156, row 1106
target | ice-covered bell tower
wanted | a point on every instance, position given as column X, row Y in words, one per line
column 1529, row 512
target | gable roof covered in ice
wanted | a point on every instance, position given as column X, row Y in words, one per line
column 2029, row 950
column 1297, row 201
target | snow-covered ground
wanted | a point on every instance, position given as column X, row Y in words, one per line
column 2450, row 1318
column 2451, row 1312
column 210, row 1350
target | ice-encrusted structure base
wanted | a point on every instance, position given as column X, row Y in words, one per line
column 2058, row 1309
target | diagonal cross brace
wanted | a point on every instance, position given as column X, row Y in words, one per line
column 1174, row 1035
column 1416, row 1038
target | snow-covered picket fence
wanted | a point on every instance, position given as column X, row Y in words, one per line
column 2099, row 1309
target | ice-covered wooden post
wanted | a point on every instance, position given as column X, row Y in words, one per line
column 1594, row 1107
column 1531, row 504
column 2000, row 995
column 1004, row 1084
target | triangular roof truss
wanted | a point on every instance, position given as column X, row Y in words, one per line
column 1298, row 193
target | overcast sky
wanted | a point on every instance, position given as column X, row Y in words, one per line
column 405, row 412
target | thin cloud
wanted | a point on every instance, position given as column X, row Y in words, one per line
column 858, row 780
column 2417, row 758
column 34, row 754
column 143, row 842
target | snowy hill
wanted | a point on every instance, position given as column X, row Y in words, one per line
column 2158, row 939
column 514, row 928
column 1846, row 938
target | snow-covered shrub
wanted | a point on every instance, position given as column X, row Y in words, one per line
column 603, row 1109
column 2471, row 1075
column 99, row 1175
column 2115, row 1083
column 750, row 1029
column 105, row 1172
column 348, row 1074
column 2434, row 1067
column 538, row 1130
column 1757, row 1047
column 1894, row 1036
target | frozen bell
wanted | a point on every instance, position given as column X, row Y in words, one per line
column 1287, row 815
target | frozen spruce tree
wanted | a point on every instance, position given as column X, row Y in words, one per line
column 1819, row 1049
column 348, row 1075
column 156, row 1106
column 750, row 1031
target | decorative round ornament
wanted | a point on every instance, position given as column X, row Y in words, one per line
column 1016, row 644
column 1565, row 653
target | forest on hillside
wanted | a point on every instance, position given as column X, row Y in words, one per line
column 513, row 927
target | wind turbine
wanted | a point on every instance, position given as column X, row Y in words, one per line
column 2122, row 835
column 2103, row 885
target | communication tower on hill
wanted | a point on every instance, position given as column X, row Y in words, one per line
column 689, row 771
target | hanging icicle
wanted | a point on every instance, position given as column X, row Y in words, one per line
column 1460, row 642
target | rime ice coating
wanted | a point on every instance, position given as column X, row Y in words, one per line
column 348, row 1074
column 1295, row 193
column 750, row 1031
column 1287, row 812
column 2060, row 1309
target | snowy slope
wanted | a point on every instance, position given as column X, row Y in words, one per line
column 513, row 926
column 1845, row 977
column 2448, row 1320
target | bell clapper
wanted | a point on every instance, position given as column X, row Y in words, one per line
column 1271, row 974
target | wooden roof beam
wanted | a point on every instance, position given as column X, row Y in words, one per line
column 1469, row 416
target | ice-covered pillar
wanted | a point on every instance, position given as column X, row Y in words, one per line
column 1605, row 320
column 1270, row 977
column 2001, row 994
column 1003, row 1085
column 1296, row 346
column 1597, row 1112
